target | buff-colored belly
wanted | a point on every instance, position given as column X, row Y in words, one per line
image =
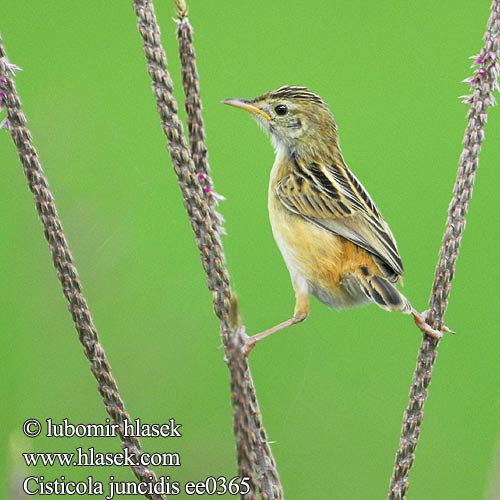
column 318, row 260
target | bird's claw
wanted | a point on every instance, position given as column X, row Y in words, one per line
column 420, row 321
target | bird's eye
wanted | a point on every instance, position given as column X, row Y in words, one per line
column 281, row 110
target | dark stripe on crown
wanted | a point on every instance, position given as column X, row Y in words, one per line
column 293, row 92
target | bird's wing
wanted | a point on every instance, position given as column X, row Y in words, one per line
column 332, row 198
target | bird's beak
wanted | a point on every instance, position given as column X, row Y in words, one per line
column 247, row 106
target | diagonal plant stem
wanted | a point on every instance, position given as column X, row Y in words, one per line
column 63, row 262
column 484, row 83
column 255, row 459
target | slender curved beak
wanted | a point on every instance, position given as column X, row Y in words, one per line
column 247, row 105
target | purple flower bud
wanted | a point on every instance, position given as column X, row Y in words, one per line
column 201, row 176
column 479, row 60
column 481, row 72
column 207, row 190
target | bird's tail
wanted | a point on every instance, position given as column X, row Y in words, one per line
column 384, row 293
column 388, row 297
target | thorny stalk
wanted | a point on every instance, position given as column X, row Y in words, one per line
column 483, row 84
column 63, row 262
column 255, row 459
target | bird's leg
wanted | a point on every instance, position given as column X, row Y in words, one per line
column 426, row 328
column 300, row 314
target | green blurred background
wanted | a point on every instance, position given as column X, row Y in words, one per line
column 332, row 390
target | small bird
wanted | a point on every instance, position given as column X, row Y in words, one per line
column 334, row 240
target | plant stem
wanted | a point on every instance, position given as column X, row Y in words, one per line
column 484, row 83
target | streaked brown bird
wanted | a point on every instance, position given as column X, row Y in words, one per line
column 335, row 242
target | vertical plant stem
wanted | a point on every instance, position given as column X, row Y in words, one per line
column 484, row 83
column 494, row 482
column 255, row 459
column 63, row 262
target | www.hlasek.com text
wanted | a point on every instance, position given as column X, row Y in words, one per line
column 90, row 457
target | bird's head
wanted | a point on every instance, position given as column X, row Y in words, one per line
column 297, row 120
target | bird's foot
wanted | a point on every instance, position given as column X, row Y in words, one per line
column 420, row 321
